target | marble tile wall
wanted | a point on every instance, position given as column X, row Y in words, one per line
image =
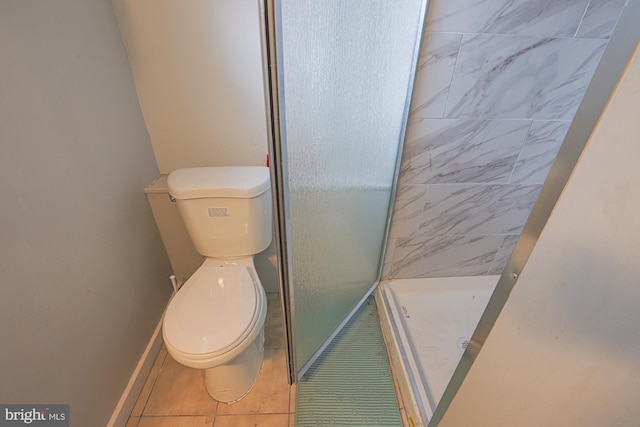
column 497, row 86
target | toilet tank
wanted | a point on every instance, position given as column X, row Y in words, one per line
column 227, row 210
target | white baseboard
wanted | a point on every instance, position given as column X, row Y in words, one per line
column 130, row 394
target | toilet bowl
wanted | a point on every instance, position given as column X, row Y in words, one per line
column 216, row 322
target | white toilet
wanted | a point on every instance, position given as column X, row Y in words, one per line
column 215, row 321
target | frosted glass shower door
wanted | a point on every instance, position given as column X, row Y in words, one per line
column 346, row 67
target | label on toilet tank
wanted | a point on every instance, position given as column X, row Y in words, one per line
column 218, row 212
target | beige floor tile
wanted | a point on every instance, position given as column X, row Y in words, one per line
column 292, row 399
column 182, row 421
column 179, row 391
column 148, row 385
column 273, row 336
column 265, row 420
column 132, row 422
column 270, row 394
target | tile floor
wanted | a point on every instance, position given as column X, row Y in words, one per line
column 175, row 396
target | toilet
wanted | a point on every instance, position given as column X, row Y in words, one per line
column 216, row 320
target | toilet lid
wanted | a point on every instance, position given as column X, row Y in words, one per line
column 212, row 311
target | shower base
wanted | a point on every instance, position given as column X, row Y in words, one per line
column 427, row 324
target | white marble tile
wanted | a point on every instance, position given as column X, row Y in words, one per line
column 539, row 151
column 503, row 254
column 443, row 256
column 557, row 18
column 477, row 209
column 388, row 259
column 462, row 150
column 600, row 19
column 438, row 53
column 521, row 77
column 407, row 212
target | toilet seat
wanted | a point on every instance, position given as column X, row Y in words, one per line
column 216, row 310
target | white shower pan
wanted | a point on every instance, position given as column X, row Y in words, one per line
column 427, row 324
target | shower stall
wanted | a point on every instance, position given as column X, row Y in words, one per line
column 409, row 146
column 495, row 96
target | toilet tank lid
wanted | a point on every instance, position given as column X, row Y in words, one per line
column 220, row 181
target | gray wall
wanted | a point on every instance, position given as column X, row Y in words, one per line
column 84, row 273
column 497, row 87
